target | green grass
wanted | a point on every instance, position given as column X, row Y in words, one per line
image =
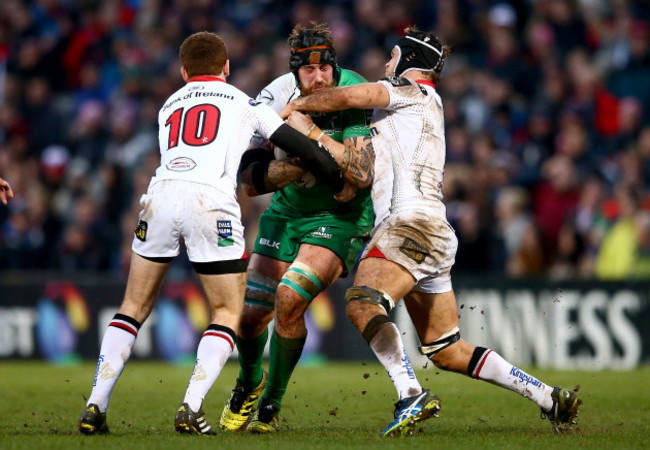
column 334, row 406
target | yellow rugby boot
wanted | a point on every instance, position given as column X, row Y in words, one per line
column 237, row 411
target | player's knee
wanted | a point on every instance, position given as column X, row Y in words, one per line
column 289, row 307
column 302, row 281
column 358, row 297
column 444, row 351
column 260, row 291
column 353, row 310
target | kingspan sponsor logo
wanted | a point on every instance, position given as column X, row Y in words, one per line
column 406, row 363
column 100, row 360
column 181, row 164
column 526, row 379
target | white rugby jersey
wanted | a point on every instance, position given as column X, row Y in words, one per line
column 205, row 127
column 279, row 92
column 409, row 142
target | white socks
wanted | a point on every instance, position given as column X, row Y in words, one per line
column 493, row 368
column 389, row 349
column 117, row 344
column 216, row 346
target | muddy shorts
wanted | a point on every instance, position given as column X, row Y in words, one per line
column 425, row 245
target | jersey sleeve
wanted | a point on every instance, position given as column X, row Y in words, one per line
column 268, row 121
column 279, row 92
column 401, row 91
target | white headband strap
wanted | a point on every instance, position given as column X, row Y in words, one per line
column 425, row 44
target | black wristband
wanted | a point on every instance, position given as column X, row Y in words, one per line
column 316, row 157
column 252, row 156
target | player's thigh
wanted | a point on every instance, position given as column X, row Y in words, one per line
column 224, row 290
column 384, row 275
column 267, row 266
column 314, row 269
column 432, row 314
column 343, row 235
column 277, row 237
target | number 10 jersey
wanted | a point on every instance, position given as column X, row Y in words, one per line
column 204, row 128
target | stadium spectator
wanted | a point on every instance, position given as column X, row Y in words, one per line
column 307, row 237
column 620, row 251
column 413, row 246
column 555, row 199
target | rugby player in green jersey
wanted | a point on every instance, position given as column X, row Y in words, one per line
column 308, row 236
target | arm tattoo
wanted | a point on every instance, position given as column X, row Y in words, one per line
column 280, row 174
column 359, row 160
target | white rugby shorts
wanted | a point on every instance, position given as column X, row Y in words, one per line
column 201, row 216
column 425, row 245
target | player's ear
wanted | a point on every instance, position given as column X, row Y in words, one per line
column 226, row 68
column 184, row 74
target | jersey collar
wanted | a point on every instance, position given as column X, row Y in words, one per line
column 206, row 78
column 427, row 82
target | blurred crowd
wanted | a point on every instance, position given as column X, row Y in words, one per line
column 547, row 109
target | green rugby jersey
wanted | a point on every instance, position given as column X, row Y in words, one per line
column 339, row 125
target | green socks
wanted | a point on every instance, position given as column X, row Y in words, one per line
column 285, row 353
column 251, row 352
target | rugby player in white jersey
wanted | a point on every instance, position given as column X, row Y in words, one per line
column 204, row 128
column 413, row 247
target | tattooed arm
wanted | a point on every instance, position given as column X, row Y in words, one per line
column 358, row 164
column 355, row 156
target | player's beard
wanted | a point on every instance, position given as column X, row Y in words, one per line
column 315, row 87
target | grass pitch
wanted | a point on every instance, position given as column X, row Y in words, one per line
column 333, row 406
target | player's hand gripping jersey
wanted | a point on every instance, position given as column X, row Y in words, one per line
column 295, row 200
column 192, row 144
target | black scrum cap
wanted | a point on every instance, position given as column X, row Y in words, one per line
column 419, row 51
